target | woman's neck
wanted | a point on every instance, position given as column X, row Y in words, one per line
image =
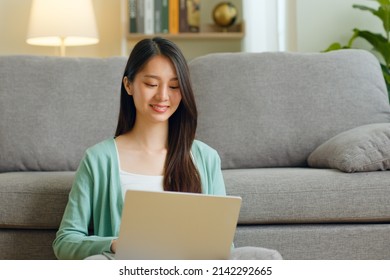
column 150, row 138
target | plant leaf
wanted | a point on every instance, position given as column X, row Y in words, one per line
column 386, row 75
column 333, row 47
column 383, row 13
column 383, row 2
column 364, row 8
column 379, row 43
column 353, row 37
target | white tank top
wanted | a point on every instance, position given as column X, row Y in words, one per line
column 131, row 181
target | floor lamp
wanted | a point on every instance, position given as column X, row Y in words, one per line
column 62, row 23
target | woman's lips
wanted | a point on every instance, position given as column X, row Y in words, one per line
column 159, row 108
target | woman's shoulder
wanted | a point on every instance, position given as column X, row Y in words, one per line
column 201, row 146
column 101, row 149
column 203, row 150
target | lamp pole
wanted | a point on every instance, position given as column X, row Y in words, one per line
column 62, row 46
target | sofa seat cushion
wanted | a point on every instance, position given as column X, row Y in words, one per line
column 270, row 196
column 308, row 195
column 34, row 200
column 27, row 244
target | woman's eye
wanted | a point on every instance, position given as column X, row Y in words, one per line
column 174, row 87
column 150, row 85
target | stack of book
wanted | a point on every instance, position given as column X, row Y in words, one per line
column 164, row 16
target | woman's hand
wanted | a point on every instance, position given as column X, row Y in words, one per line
column 113, row 246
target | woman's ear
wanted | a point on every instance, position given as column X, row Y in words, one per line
column 128, row 86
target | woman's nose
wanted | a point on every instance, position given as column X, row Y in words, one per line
column 162, row 93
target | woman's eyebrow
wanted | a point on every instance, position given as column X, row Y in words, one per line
column 158, row 78
column 152, row 76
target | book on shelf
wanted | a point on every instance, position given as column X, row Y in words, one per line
column 183, row 20
column 133, row 16
column 173, row 16
column 189, row 16
column 149, row 17
column 163, row 16
column 140, row 16
column 157, row 16
column 193, row 15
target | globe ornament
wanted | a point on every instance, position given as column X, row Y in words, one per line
column 224, row 14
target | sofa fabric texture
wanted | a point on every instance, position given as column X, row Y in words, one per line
column 267, row 114
column 306, row 195
column 283, row 103
column 54, row 108
column 34, row 199
column 364, row 148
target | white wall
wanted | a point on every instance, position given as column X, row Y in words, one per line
column 261, row 25
column 304, row 25
column 322, row 22
column 14, row 16
column 270, row 25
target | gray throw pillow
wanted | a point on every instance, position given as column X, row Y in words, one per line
column 364, row 148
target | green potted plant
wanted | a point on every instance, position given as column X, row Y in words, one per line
column 379, row 42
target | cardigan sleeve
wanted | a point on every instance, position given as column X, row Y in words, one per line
column 217, row 182
column 208, row 163
column 72, row 239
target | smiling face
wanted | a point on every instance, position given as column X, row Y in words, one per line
column 155, row 90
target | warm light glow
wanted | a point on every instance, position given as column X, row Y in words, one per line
column 62, row 23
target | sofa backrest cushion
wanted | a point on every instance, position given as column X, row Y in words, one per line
column 53, row 108
column 274, row 109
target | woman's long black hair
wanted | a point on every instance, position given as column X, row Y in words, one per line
column 180, row 173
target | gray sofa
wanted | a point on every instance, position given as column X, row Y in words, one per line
column 303, row 140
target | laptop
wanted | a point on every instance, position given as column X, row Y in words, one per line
column 177, row 226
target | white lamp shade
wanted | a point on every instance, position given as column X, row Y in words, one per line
column 57, row 22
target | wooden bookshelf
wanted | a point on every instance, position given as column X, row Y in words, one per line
column 209, row 32
column 209, row 39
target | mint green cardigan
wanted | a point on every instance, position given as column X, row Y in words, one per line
column 96, row 199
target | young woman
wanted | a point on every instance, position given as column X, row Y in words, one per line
column 153, row 149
